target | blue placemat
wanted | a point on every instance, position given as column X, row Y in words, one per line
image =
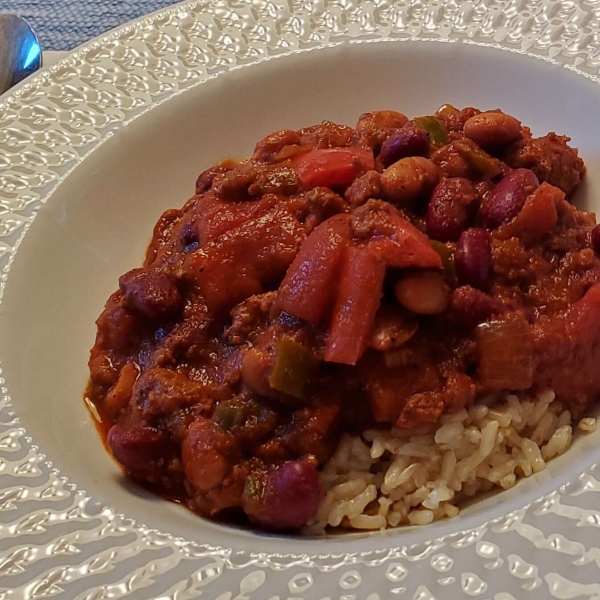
column 64, row 24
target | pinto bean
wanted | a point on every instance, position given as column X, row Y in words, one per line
column 492, row 128
column 256, row 369
column 120, row 394
column 473, row 258
column 409, row 179
column 204, row 454
column 423, row 292
column 506, row 200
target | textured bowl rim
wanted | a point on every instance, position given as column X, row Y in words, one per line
column 30, row 93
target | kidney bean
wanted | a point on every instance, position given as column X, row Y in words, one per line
column 423, row 292
column 118, row 327
column 448, row 213
column 408, row 179
column 139, row 448
column 506, row 200
column 408, row 141
column 492, row 128
column 291, row 496
column 596, row 238
column 473, row 258
column 150, row 293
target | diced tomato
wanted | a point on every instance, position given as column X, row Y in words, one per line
column 332, row 167
column 215, row 216
column 358, row 298
column 309, row 286
column 400, row 244
column 537, row 217
column 242, row 261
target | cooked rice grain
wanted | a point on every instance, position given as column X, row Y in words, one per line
column 401, row 477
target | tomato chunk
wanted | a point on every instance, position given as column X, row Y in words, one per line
column 537, row 217
column 308, row 289
column 568, row 343
column 215, row 216
column 242, row 261
column 359, row 295
column 332, row 167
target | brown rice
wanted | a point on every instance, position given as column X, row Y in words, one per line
column 414, row 477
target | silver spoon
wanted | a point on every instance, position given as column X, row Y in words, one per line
column 20, row 51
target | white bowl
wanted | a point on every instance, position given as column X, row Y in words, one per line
column 97, row 222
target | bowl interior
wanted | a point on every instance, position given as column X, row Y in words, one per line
column 98, row 221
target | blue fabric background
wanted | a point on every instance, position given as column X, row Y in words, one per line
column 64, row 24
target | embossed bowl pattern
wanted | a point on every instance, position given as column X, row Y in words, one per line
column 57, row 540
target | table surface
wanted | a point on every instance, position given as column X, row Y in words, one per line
column 65, row 24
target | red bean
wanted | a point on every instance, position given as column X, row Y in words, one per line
column 596, row 238
column 508, row 197
column 448, row 213
column 150, row 293
column 291, row 497
column 473, row 258
column 138, row 448
column 492, row 128
column 408, row 141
